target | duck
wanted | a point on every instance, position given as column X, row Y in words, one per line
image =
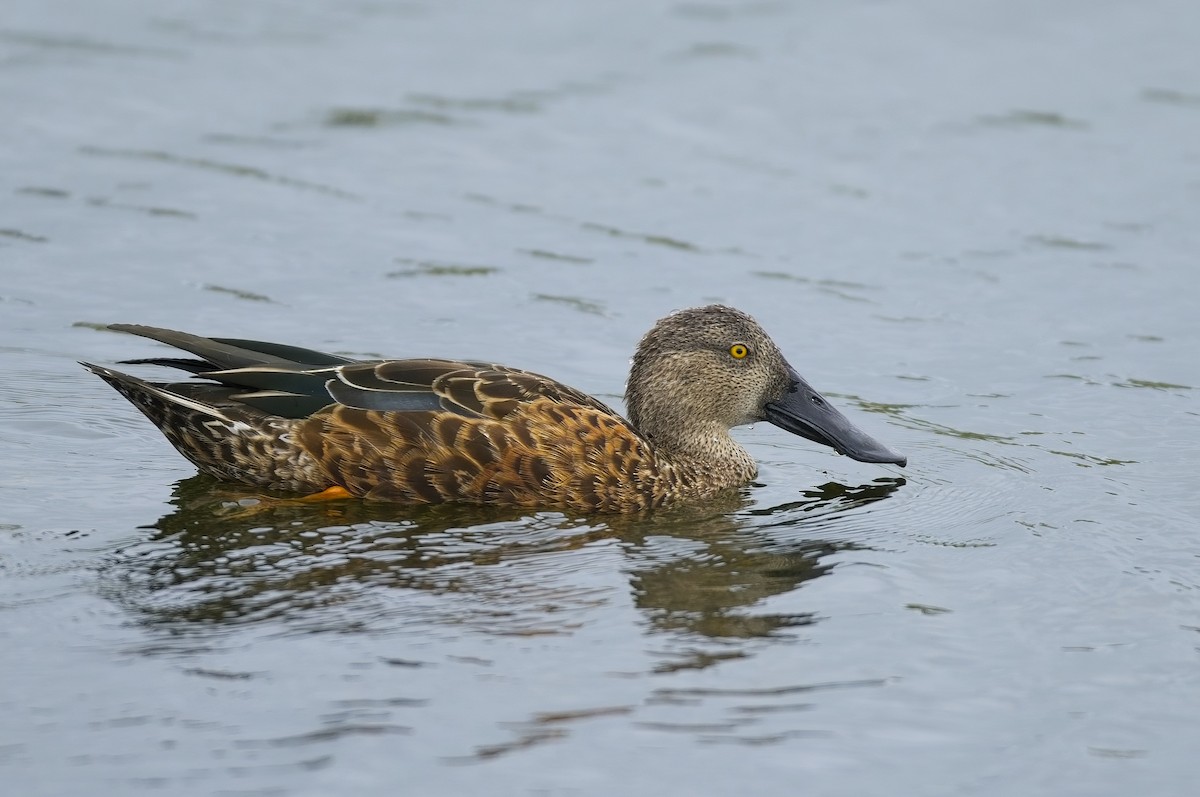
column 429, row 431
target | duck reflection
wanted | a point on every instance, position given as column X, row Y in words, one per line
column 737, row 565
column 224, row 556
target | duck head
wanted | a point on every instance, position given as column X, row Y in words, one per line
column 700, row 372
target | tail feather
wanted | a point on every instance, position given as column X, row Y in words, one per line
column 155, row 401
column 221, row 437
column 238, row 426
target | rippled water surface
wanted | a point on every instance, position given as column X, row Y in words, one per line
column 974, row 224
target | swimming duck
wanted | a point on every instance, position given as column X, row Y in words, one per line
column 434, row 431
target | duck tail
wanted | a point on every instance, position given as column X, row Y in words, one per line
column 223, row 439
column 157, row 402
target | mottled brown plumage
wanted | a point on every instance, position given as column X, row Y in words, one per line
column 433, row 431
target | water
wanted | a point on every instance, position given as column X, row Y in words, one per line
column 974, row 225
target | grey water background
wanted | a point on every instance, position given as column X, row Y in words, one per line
column 975, row 225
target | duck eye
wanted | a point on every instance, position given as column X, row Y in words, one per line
column 738, row 351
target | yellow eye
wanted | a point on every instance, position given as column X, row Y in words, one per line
column 738, row 351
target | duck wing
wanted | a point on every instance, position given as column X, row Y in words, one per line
column 468, row 388
column 294, row 382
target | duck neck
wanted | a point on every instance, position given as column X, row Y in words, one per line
column 684, row 425
column 706, row 457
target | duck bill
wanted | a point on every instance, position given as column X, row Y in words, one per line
column 805, row 412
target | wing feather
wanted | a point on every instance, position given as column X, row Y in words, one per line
column 466, row 388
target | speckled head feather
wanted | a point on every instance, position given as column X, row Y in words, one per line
column 434, row 431
column 684, row 383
